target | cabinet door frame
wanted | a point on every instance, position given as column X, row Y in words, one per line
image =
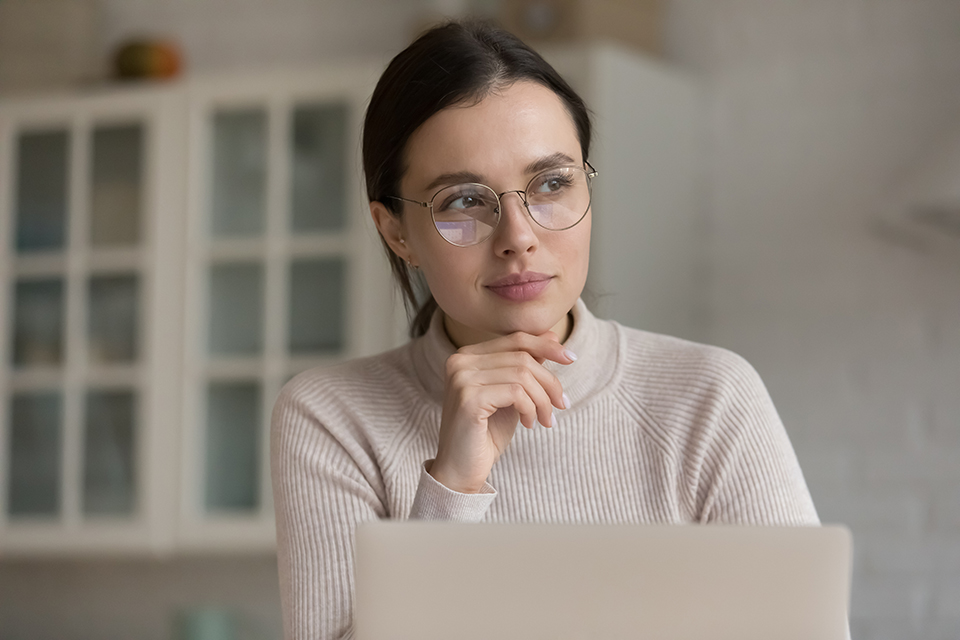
column 373, row 315
column 154, row 375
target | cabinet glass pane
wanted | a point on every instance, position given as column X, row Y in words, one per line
column 239, row 172
column 35, row 444
column 38, row 323
column 317, row 305
column 232, row 446
column 113, row 319
column 236, row 309
column 42, row 190
column 108, row 453
column 117, row 177
column 318, row 176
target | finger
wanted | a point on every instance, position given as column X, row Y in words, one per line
column 550, row 335
column 546, row 347
column 510, row 366
column 531, row 386
column 490, row 398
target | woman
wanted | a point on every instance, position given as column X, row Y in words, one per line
column 476, row 160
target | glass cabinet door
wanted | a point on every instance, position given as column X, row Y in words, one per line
column 35, row 446
column 38, row 325
column 74, row 340
column 42, row 186
column 113, row 318
column 232, row 447
column 317, row 306
column 116, row 185
column 271, row 268
column 109, row 460
column 239, row 173
column 236, row 309
column 318, row 176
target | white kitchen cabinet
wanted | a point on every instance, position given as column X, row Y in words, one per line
column 90, row 191
column 170, row 256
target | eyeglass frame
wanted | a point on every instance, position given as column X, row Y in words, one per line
column 591, row 174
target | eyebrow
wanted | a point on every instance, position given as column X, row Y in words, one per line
column 548, row 162
column 459, row 177
column 454, row 178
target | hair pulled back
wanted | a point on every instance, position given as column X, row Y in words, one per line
column 451, row 64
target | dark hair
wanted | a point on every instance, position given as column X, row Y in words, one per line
column 450, row 64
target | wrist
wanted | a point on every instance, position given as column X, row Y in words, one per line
column 451, row 481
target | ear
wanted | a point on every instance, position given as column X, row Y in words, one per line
column 391, row 230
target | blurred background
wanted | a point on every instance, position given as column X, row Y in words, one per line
column 183, row 228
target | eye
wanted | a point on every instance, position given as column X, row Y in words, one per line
column 462, row 200
column 552, row 182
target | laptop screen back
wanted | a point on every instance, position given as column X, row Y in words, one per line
column 429, row 580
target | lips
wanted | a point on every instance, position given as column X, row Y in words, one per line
column 520, row 287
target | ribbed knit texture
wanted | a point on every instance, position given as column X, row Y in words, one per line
column 660, row 430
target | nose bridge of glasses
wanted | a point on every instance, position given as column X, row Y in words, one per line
column 520, row 194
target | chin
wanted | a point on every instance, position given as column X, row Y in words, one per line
column 534, row 322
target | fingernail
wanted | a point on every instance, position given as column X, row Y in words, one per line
column 570, row 354
column 553, row 420
column 566, row 401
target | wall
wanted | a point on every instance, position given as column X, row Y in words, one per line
column 240, row 34
column 818, row 109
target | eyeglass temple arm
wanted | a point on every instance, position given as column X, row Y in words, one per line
column 422, row 204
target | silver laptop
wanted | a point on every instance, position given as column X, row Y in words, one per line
column 428, row 580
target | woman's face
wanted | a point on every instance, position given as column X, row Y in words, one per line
column 502, row 142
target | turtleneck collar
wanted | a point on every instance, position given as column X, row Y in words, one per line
column 594, row 341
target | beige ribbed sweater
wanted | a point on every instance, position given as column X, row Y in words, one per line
column 660, row 430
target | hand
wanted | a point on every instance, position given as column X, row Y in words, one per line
column 489, row 386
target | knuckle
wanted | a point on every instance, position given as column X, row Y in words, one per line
column 555, row 383
column 524, row 359
column 454, row 363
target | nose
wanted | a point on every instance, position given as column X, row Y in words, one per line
column 515, row 234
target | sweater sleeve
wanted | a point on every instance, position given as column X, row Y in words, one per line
column 324, row 485
column 434, row 501
column 755, row 475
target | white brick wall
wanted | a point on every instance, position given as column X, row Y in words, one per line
column 818, row 107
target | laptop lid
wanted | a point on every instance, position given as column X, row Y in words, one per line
column 428, row 580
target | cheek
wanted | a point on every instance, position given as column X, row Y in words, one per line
column 576, row 249
column 450, row 272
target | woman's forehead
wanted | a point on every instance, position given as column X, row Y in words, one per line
column 504, row 134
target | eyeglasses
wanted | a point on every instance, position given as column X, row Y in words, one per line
column 467, row 214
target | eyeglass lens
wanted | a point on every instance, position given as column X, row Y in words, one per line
column 466, row 214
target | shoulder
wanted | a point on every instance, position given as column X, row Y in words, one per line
column 358, row 393
column 687, row 389
column 667, row 362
